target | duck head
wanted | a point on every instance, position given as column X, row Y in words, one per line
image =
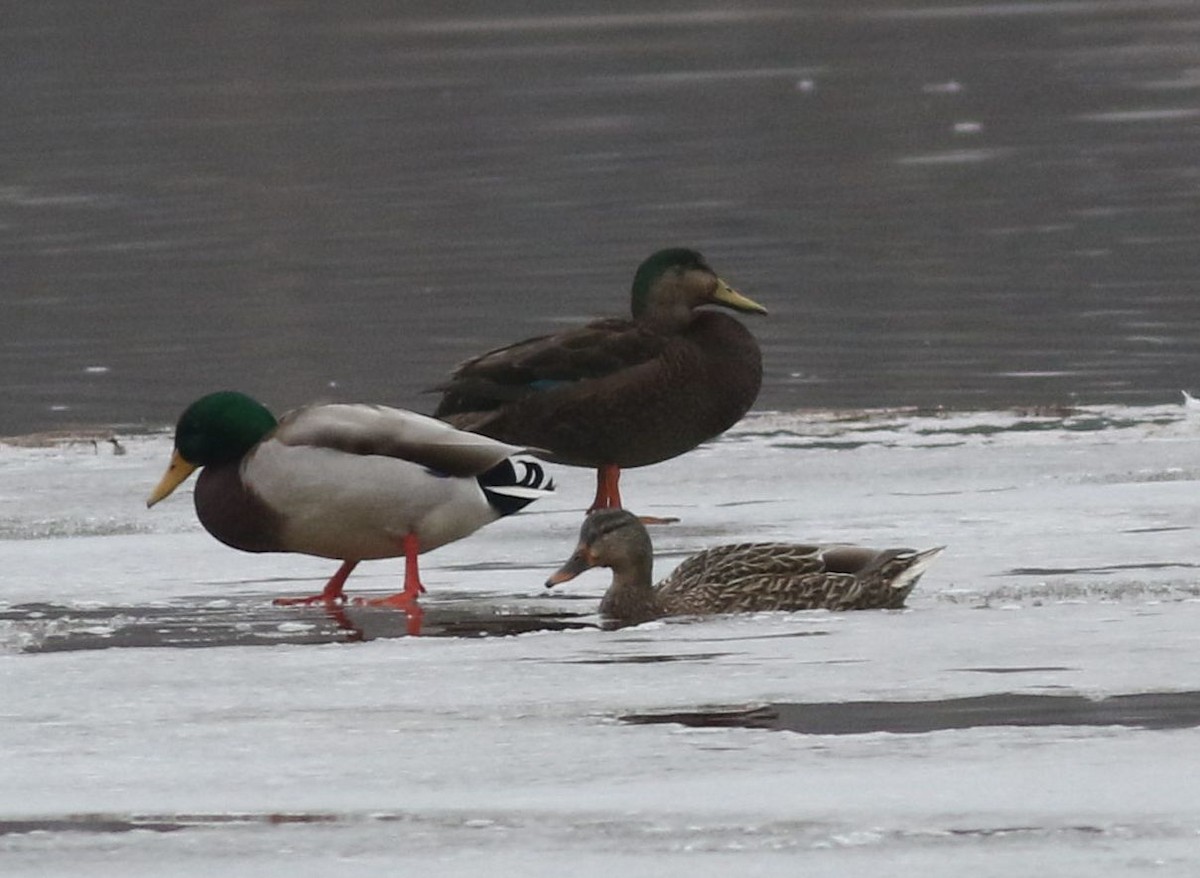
column 613, row 538
column 215, row 429
column 672, row 282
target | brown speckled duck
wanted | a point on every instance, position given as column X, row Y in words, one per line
column 741, row 578
column 620, row 393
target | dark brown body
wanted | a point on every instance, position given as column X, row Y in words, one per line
column 647, row 394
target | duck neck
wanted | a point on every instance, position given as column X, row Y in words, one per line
column 669, row 317
column 631, row 597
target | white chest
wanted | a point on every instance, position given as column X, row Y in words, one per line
column 350, row 506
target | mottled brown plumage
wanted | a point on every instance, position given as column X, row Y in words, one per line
column 740, row 578
column 620, row 393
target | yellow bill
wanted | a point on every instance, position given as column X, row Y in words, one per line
column 728, row 296
column 177, row 472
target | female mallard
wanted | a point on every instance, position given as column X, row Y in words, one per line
column 349, row 482
column 620, row 393
column 742, row 578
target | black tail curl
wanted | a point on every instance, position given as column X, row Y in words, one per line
column 513, row 484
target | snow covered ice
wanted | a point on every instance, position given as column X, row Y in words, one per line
column 282, row 739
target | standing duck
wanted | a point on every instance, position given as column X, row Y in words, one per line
column 348, row 482
column 741, row 578
column 619, row 393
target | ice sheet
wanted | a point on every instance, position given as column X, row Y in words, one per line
column 1070, row 569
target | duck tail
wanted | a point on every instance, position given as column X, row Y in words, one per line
column 914, row 567
column 514, row 483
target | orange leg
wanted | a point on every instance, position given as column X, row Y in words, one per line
column 332, row 592
column 404, row 600
column 608, row 491
column 608, row 494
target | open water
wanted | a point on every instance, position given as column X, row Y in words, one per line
column 955, row 204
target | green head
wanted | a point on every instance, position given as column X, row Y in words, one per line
column 672, row 261
column 674, row 281
column 221, row 428
column 215, row 429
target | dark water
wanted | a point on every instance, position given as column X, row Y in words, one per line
column 942, row 203
column 1142, row 710
column 254, row 621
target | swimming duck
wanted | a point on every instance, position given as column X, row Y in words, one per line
column 740, row 578
column 347, row 482
column 619, row 393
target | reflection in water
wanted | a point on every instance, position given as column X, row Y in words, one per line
column 967, row 205
column 412, row 612
column 43, row 627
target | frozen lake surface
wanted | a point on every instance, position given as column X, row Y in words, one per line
column 1032, row 711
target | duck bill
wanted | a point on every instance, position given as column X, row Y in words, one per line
column 580, row 561
column 731, row 298
column 177, row 472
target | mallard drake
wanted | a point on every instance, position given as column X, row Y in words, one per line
column 348, row 482
column 740, row 578
column 620, row 393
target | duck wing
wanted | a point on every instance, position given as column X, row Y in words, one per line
column 598, row 350
column 389, row 432
column 739, row 560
